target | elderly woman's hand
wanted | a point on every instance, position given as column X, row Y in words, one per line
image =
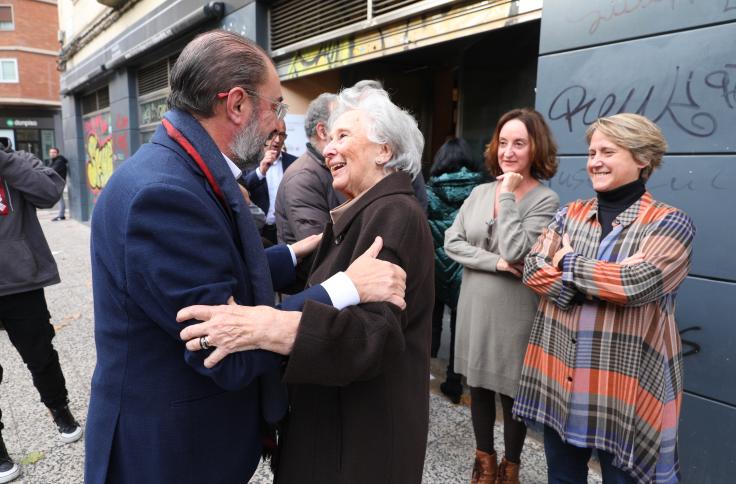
column 306, row 246
column 230, row 328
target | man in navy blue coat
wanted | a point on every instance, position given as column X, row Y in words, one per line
column 169, row 230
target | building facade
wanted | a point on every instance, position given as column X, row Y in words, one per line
column 457, row 66
column 30, row 109
column 115, row 63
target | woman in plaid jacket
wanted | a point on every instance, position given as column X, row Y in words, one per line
column 603, row 369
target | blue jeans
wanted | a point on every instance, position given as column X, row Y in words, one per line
column 62, row 207
column 567, row 464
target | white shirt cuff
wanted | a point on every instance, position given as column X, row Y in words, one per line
column 342, row 291
column 259, row 174
column 293, row 255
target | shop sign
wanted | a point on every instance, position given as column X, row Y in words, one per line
column 21, row 123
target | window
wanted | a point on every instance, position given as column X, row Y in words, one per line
column 293, row 21
column 153, row 89
column 95, row 101
column 8, row 70
column 29, row 139
column 6, row 17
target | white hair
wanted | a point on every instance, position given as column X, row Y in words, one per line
column 388, row 124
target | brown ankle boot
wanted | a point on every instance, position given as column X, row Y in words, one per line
column 508, row 472
column 485, row 468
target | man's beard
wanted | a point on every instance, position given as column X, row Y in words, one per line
column 248, row 144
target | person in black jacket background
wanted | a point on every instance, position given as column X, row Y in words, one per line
column 60, row 165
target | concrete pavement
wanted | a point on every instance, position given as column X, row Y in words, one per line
column 33, row 440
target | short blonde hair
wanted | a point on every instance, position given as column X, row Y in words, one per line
column 640, row 136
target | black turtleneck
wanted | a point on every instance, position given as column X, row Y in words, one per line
column 613, row 202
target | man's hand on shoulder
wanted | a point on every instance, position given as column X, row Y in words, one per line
column 377, row 280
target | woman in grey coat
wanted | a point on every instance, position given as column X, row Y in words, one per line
column 492, row 233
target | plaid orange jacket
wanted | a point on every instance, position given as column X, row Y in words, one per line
column 604, row 364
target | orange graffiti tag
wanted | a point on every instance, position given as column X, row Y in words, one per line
column 99, row 162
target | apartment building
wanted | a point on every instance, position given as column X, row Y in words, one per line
column 30, row 106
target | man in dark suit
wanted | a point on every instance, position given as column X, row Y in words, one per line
column 172, row 229
column 263, row 182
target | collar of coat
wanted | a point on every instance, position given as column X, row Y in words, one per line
column 393, row 184
column 318, row 157
column 253, row 255
column 628, row 216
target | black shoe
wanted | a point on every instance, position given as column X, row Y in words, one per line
column 452, row 391
column 9, row 470
column 69, row 428
column 56, row 219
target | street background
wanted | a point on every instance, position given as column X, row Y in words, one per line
column 32, row 438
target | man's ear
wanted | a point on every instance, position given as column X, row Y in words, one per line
column 238, row 106
column 322, row 131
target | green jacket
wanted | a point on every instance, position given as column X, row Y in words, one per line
column 446, row 194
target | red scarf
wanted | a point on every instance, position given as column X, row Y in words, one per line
column 4, row 199
column 176, row 135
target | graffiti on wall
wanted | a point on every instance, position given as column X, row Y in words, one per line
column 153, row 111
column 419, row 31
column 622, row 8
column 574, row 23
column 122, row 150
column 103, row 149
column 576, row 105
column 98, row 148
column 327, row 55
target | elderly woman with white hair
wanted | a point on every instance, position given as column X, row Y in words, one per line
column 358, row 377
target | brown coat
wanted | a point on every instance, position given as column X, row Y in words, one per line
column 359, row 378
column 305, row 198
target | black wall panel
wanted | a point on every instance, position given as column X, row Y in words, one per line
column 706, row 439
column 685, row 82
column 576, row 23
column 703, row 307
column 702, row 186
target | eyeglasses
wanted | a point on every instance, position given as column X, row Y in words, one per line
column 277, row 134
column 279, row 108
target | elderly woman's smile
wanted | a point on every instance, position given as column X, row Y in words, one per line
column 355, row 161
